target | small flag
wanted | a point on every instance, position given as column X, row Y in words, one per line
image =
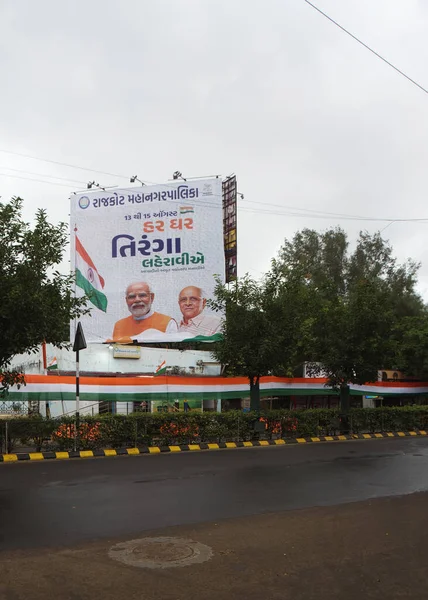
column 88, row 278
column 53, row 364
column 186, row 209
column 161, row 369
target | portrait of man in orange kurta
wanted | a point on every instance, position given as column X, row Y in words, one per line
column 139, row 299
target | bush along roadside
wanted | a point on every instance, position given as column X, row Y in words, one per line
column 159, row 429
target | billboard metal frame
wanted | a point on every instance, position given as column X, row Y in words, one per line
column 230, row 223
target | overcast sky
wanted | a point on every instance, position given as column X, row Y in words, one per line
column 270, row 90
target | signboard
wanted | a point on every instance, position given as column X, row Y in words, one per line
column 120, row 351
column 230, row 227
column 146, row 259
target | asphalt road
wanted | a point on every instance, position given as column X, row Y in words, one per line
column 61, row 503
column 320, row 521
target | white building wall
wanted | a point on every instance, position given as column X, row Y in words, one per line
column 98, row 358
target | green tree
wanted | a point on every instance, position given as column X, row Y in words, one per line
column 360, row 298
column 37, row 302
column 411, row 337
column 265, row 329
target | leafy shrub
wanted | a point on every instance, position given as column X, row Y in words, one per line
column 146, row 429
column 88, row 435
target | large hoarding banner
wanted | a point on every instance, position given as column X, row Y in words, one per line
column 147, row 258
column 230, row 224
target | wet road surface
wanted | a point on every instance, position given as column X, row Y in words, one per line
column 60, row 504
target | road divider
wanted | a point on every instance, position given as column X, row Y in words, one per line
column 109, row 452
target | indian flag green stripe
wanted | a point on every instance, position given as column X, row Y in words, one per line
column 136, row 395
column 95, row 296
column 216, row 337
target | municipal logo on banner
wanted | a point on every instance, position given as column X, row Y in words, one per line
column 207, row 190
column 84, row 202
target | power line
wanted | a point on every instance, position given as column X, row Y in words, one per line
column 71, row 166
column 43, row 175
column 56, row 162
column 310, row 213
column 320, row 216
column 308, row 210
column 367, row 47
column 37, row 180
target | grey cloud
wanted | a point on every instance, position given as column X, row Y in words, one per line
column 270, row 90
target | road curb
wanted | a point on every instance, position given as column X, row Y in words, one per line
column 37, row 456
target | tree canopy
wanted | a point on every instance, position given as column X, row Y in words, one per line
column 361, row 298
column 265, row 328
column 344, row 312
column 37, row 301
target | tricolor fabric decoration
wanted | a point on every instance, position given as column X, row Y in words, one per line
column 161, row 369
column 88, row 278
column 128, row 389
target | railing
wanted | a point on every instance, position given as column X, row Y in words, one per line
column 145, row 429
column 13, row 408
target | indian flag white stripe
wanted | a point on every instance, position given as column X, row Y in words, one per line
column 88, row 278
column 116, row 387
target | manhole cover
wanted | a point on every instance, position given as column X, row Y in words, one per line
column 160, row 552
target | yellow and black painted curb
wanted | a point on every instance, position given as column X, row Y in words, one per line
column 34, row 456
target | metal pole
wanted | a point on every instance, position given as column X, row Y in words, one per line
column 79, row 344
column 77, row 419
column 45, row 372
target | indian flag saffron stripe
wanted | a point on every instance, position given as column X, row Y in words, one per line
column 136, row 388
column 188, row 381
column 88, row 278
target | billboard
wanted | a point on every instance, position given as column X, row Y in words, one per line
column 146, row 258
column 230, row 227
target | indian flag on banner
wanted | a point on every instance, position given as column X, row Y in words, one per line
column 52, row 364
column 161, row 369
column 186, row 209
column 88, row 278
